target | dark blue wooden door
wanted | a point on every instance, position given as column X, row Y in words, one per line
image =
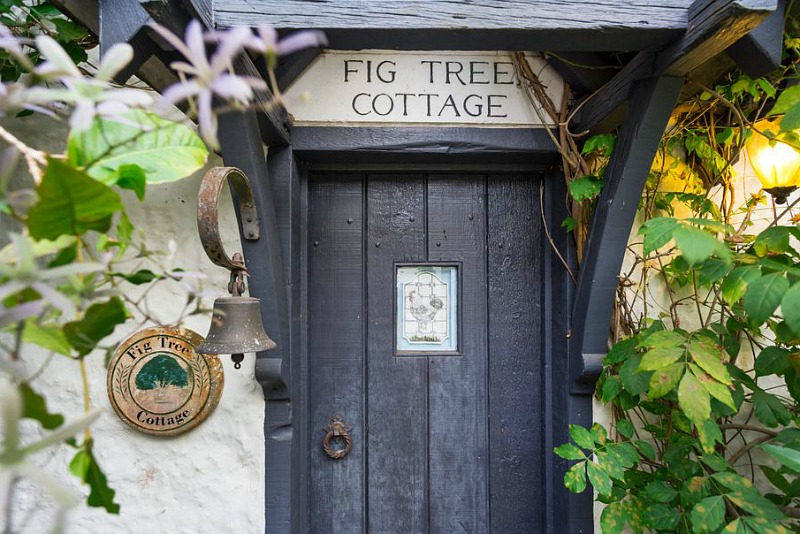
column 441, row 443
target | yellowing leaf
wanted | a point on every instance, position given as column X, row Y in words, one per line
column 694, row 399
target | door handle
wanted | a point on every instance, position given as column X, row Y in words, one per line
column 337, row 432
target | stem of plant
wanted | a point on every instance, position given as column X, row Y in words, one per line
column 87, row 434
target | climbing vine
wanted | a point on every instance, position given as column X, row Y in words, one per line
column 702, row 378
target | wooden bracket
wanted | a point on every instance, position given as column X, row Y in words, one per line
column 648, row 113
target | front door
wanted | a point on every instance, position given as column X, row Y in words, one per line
column 424, row 337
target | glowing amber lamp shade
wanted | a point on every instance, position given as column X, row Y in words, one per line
column 776, row 164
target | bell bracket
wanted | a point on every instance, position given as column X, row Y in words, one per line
column 208, row 213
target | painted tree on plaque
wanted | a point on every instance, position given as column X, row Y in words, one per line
column 160, row 372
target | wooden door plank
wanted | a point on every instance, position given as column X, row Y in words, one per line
column 336, row 350
column 516, row 423
column 397, row 404
column 459, row 500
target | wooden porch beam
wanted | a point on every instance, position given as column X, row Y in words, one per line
column 241, row 148
column 713, row 26
column 759, row 52
column 650, row 108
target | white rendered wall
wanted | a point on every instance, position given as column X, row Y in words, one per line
column 210, row 479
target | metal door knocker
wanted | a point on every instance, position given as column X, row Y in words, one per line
column 338, row 432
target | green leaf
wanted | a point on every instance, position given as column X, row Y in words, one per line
column 662, row 517
column 790, row 307
column 694, row 399
column 735, row 527
column 696, row 245
column 789, row 458
column 713, row 270
column 633, row 381
column 777, row 479
column 575, row 477
column 769, row 409
column 48, row 337
column 68, row 30
column 70, row 203
column 657, row 233
column 772, row 241
column 603, row 144
column 142, row 276
column 599, row 478
column 735, row 285
column 610, row 389
column 660, row 491
column 646, row 450
column 763, row 296
column 568, row 451
column 599, row 434
column 709, row 514
column 585, row 188
column 761, row 525
column 709, row 434
column 613, row 518
column 621, row 351
column 166, row 151
column 665, row 380
column 660, row 357
column 709, row 357
column 663, row 338
column 718, row 390
column 753, row 502
column 85, row 467
column 581, row 436
column 35, row 407
column 625, row 428
column 789, row 98
column 98, row 322
column 132, row 177
column 772, row 361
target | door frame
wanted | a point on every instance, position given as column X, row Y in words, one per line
column 281, row 192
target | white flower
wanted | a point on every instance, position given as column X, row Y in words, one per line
column 91, row 95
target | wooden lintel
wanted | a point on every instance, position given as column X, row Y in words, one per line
column 640, row 134
column 713, row 26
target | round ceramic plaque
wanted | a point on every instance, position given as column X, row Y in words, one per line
column 159, row 384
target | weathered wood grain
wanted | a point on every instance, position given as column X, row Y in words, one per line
column 336, row 351
column 454, row 15
column 516, row 422
column 713, row 26
column 397, row 385
column 459, row 447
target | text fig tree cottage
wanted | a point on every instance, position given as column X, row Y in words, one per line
column 702, row 378
column 68, row 271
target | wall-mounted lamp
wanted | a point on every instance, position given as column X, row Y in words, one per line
column 776, row 164
column 236, row 325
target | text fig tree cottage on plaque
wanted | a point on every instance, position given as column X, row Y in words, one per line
column 431, row 88
column 159, row 384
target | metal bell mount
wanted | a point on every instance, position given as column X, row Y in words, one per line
column 236, row 324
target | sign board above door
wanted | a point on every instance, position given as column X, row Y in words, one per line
column 431, row 88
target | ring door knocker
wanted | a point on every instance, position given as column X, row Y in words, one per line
column 338, row 432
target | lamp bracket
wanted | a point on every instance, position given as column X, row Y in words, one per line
column 208, row 213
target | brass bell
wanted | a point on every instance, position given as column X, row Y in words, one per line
column 236, row 328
